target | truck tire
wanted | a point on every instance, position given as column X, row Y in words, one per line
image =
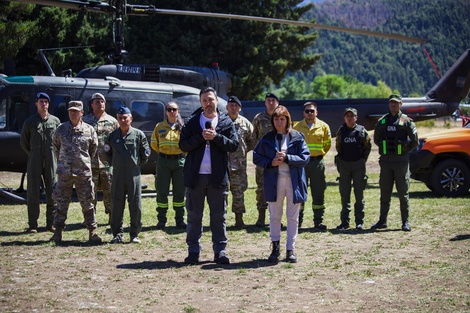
column 451, row 178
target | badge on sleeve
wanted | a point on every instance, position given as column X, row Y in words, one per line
column 106, row 148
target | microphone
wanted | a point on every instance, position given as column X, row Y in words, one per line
column 279, row 141
column 208, row 125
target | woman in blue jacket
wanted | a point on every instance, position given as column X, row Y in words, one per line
column 283, row 154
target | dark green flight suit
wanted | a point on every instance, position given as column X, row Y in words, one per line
column 127, row 154
column 36, row 141
column 395, row 136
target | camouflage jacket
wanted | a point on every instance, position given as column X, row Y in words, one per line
column 103, row 128
column 237, row 159
column 261, row 125
column 74, row 148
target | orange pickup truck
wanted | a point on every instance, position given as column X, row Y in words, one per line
column 442, row 162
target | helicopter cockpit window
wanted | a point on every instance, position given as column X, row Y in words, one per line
column 147, row 114
column 14, row 111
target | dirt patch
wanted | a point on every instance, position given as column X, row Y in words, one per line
column 425, row 270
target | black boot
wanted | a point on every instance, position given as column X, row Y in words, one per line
column 290, row 256
column 161, row 216
column 274, row 257
column 318, row 219
column 382, row 223
column 179, row 218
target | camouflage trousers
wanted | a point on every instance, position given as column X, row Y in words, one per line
column 238, row 186
column 102, row 178
column 62, row 194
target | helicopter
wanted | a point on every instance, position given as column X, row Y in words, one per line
column 145, row 89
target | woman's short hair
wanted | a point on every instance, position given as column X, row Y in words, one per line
column 281, row 110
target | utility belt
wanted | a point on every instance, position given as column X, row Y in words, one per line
column 171, row 156
column 316, row 158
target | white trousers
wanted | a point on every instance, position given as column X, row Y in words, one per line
column 284, row 191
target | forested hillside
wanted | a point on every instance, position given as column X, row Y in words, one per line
column 402, row 66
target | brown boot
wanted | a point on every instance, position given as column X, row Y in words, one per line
column 239, row 220
column 94, row 238
column 261, row 218
column 57, row 237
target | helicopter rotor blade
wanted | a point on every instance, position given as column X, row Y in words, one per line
column 150, row 10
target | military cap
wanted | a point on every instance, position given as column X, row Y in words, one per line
column 352, row 110
column 394, row 97
column 97, row 95
column 43, row 95
column 272, row 95
column 75, row 105
column 234, row 99
column 124, row 110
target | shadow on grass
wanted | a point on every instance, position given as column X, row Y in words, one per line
column 205, row 265
column 64, row 243
column 460, row 237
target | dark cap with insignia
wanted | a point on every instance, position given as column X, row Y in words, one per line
column 124, row 110
column 75, row 105
column 394, row 97
column 352, row 110
column 43, row 95
column 235, row 99
column 272, row 95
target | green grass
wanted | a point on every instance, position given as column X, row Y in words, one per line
column 425, row 270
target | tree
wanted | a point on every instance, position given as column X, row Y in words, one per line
column 255, row 54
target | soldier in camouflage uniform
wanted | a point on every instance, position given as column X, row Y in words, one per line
column 103, row 124
column 237, row 159
column 75, row 144
column 261, row 126
column 36, row 141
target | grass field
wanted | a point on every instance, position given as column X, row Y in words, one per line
column 425, row 270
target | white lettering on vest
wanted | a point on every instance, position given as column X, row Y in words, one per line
column 350, row 140
column 391, row 128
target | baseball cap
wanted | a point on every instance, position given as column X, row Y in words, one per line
column 75, row 105
column 97, row 95
column 234, row 99
column 352, row 110
column 394, row 97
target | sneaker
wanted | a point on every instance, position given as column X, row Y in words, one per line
column 161, row 225
column 192, row 258
column 135, row 240
column 359, row 227
column 342, row 226
column 320, row 227
column 221, row 258
column 290, row 256
column 116, row 239
column 180, row 225
column 379, row 225
column 406, row 226
column 31, row 230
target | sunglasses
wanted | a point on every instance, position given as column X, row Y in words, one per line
column 171, row 109
column 309, row 111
